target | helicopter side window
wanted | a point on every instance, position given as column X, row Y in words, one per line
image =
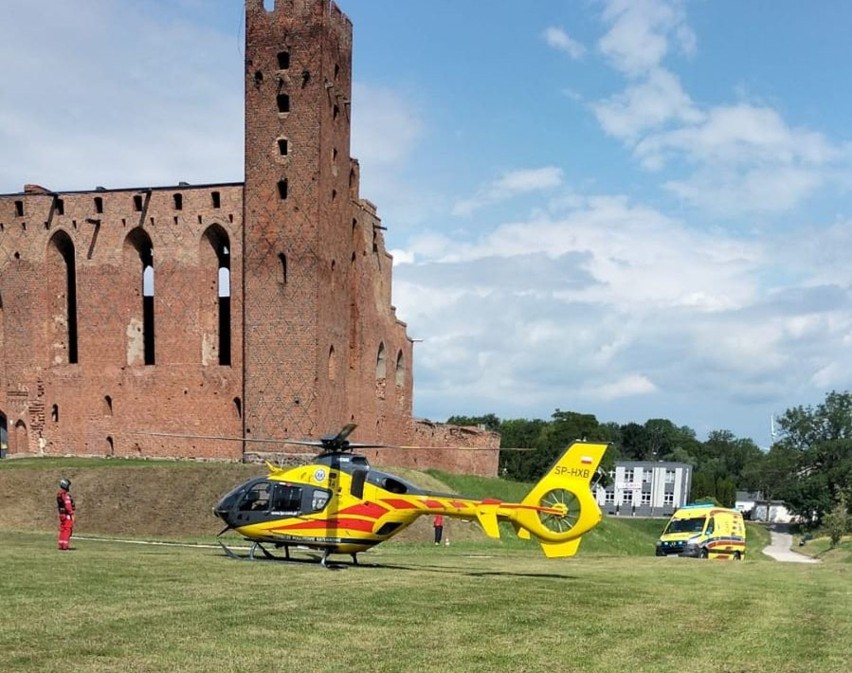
column 256, row 498
column 287, row 498
column 319, row 500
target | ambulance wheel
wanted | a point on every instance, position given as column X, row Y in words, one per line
column 702, row 553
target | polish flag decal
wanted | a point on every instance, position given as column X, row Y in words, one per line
column 586, row 460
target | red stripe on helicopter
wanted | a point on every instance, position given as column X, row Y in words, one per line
column 369, row 509
column 433, row 504
column 330, row 524
column 400, row 504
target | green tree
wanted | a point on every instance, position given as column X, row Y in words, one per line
column 488, row 421
column 820, row 438
column 837, row 522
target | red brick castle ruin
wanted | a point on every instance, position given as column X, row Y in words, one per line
column 251, row 310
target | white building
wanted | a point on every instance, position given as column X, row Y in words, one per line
column 756, row 508
column 645, row 488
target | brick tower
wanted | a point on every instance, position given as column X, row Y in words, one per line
column 320, row 345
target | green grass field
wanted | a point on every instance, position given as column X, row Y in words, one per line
column 477, row 605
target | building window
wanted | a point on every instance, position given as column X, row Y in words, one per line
column 217, row 199
column 381, row 363
column 60, row 206
column 19, row 208
column 646, row 476
column 668, row 498
column 283, row 60
column 282, row 259
column 400, row 369
column 178, row 199
column 64, row 296
column 646, row 497
column 283, row 102
column 99, row 204
column 137, row 203
column 670, row 476
column 283, row 147
column 282, row 189
column 628, row 475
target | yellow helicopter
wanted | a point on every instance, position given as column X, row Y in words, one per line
column 338, row 504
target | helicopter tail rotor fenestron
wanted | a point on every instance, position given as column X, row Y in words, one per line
column 561, row 508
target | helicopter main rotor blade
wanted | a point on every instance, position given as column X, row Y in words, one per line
column 176, row 435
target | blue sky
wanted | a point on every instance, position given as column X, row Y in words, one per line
column 636, row 209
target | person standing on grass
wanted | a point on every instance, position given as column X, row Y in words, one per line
column 438, row 525
column 65, row 504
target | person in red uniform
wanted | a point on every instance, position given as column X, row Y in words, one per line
column 65, row 504
column 438, row 525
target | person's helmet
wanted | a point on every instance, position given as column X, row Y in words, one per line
column 64, row 484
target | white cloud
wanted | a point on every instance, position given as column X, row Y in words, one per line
column 510, row 185
column 628, row 386
column 559, row 39
column 638, row 39
column 652, row 103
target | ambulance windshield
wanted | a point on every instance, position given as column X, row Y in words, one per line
column 693, row 525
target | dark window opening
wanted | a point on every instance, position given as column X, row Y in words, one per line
column 137, row 203
column 217, row 199
column 283, row 259
column 282, row 147
column 258, row 78
column 60, row 207
column 238, row 407
column 146, row 256
column 335, row 111
column 110, row 447
column 19, row 208
column 336, row 70
column 54, row 413
column 108, row 405
column 99, row 204
column 283, row 102
column 306, row 77
column 66, row 249
column 224, row 305
column 333, row 194
column 282, row 189
column 178, row 201
column 283, row 60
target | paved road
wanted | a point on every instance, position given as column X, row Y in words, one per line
column 781, row 547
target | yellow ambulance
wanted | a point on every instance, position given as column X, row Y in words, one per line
column 704, row 530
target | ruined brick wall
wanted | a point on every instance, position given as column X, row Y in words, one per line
column 75, row 370
column 95, row 356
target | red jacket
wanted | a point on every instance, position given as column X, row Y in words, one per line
column 65, row 503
